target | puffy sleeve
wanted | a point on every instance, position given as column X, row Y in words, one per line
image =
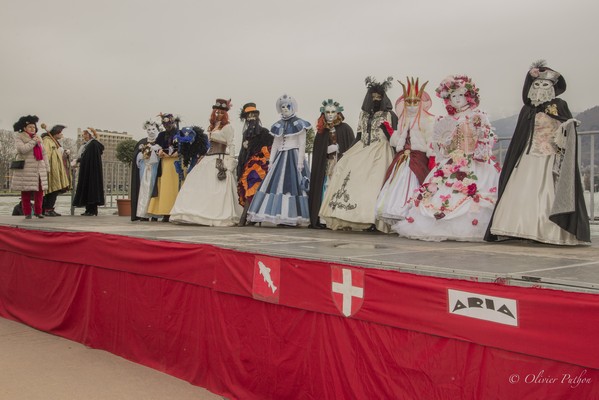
column 443, row 132
column 484, row 135
column 427, row 123
column 224, row 135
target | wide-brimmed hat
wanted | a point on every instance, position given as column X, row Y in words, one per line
column 539, row 70
column 248, row 108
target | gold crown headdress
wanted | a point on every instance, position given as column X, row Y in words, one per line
column 413, row 91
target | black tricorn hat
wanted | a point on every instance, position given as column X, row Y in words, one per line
column 56, row 129
column 20, row 125
column 248, row 108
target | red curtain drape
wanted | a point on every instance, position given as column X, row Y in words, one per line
column 191, row 311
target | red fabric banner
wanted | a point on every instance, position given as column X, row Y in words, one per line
column 210, row 316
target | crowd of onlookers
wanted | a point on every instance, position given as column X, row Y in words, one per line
column 43, row 169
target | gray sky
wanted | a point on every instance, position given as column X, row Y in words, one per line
column 112, row 64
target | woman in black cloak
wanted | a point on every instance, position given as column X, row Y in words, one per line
column 540, row 195
column 90, row 182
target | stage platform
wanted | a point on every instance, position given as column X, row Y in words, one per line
column 513, row 262
column 294, row 313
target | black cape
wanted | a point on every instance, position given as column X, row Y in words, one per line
column 90, row 182
column 134, row 185
column 576, row 223
column 257, row 137
column 345, row 139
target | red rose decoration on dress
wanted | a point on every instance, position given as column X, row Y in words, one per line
column 460, row 175
column 439, row 215
column 439, row 173
column 475, row 222
column 410, row 220
column 472, row 189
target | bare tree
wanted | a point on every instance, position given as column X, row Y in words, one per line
column 71, row 145
column 7, row 154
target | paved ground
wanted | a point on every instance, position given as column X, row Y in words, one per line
column 38, row 366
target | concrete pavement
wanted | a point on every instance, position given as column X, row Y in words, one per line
column 38, row 366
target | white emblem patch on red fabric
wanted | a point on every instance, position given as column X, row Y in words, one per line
column 267, row 277
column 347, row 289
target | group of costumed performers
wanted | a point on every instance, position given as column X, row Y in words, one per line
column 350, row 199
column 209, row 193
column 333, row 138
column 252, row 161
column 540, row 190
column 456, row 199
column 282, row 198
column 421, row 177
column 414, row 157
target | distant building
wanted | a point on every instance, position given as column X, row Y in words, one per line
column 116, row 174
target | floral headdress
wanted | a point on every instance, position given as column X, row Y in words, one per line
column 454, row 82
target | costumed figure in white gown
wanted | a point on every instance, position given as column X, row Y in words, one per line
column 147, row 161
column 350, row 199
column 540, row 190
column 414, row 156
column 282, row 198
column 457, row 198
column 209, row 193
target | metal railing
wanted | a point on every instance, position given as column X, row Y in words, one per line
column 117, row 177
column 586, row 161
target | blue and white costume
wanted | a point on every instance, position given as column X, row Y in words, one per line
column 282, row 197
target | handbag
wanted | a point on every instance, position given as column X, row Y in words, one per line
column 222, row 170
column 17, row 164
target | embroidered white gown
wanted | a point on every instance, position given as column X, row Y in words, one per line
column 350, row 199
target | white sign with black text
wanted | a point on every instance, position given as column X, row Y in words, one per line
column 480, row 306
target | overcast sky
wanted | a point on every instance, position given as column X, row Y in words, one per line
column 112, row 64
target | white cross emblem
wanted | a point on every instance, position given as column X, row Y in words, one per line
column 347, row 290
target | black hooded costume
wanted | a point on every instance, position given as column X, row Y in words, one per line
column 576, row 222
column 343, row 136
column 90, row 182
